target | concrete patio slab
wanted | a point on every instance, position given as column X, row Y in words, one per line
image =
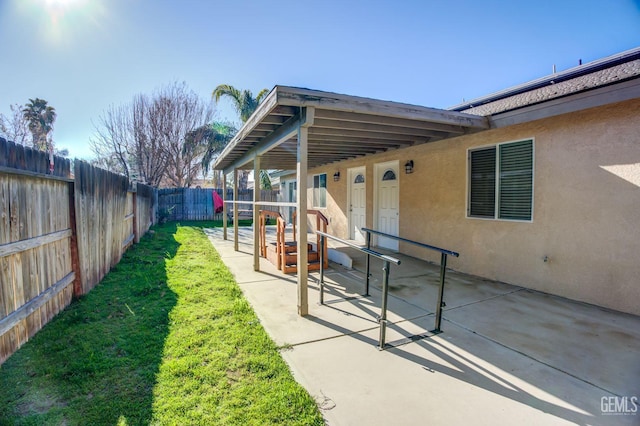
column 507, row 355
column 581, row 340
column 453, row 378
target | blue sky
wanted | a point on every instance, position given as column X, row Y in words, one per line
column 84, row 55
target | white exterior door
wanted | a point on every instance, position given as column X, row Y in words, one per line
column 387, row 203
column 357, row 203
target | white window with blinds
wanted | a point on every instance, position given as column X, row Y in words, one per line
column 501, row 181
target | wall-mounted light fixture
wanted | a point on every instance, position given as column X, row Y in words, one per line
column 336, row 176
column 408, row 167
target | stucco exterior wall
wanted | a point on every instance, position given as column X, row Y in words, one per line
column 586, row 206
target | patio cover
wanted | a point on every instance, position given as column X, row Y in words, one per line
column 340, row 127
column 295, row 129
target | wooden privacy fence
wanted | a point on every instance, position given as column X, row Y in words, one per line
column 59, row 235
column 109, row 217
column 197, row 204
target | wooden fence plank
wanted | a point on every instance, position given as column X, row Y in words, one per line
column 24, row 245
column 197, row 204
column 5, row 296
column 104, row 221
column 51, row 238
column 16, row 231
column 126, row 243
column 28, row 308
column 73, row 246
column 5, row 227
column 12, row 171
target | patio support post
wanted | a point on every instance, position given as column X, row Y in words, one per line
column 306, row 120
column 256, row 213
column 235, row 209
column 224, row 206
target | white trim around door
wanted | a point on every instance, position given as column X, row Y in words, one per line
column 356, row 203
column 386, row 191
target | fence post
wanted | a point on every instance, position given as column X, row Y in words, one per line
column 154, row 207
column 73, row 242
column 134, row 200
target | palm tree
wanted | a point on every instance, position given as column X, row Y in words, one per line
column 243, row 100
column 245, row 105
column 40, row 117
column 208, row 140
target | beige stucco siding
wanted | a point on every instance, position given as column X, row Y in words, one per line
column 586, row 206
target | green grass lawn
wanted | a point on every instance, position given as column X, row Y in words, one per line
column 167, row 338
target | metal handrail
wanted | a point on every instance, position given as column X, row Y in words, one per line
column 373, row 253
column 388, row 260
column 443, row 268
column 419, row 244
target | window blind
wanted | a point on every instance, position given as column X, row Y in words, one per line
column 482, row 199
column 516, row 180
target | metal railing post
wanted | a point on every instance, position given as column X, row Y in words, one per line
column 383, row 311
column 443, row 269
column 368, row 264
column 388, row 260
column 321, row 248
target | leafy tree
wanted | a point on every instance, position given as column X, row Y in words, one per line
column 207, row 142
column 245, row 104
column 243, row 100
column 40, row 118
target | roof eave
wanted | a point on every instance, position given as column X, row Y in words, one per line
column 569, row 74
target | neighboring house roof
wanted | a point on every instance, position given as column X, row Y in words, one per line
column 600, row 73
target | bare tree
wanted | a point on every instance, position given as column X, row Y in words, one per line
column 180, row 112
column 113, row 139
column 15, row 128
column 146, row 138
column 149, row 149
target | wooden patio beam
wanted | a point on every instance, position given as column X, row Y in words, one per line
column 390, row 121
column 315, row 131
column 375, row 128
column 338, row 102
column 282, row 134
